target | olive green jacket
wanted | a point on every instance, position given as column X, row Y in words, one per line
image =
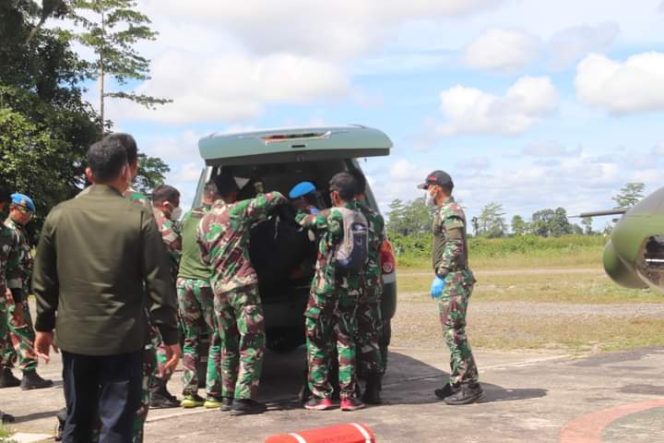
column 95, row 255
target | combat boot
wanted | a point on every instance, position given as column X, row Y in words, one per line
column 446, row 391
column 467, row 393
column 32, row 380
column 7, row 379
column 246, row 407
column 160, row 397
column 371, row 394
column 226, row 404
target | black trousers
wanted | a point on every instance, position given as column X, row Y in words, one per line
column 104, row 389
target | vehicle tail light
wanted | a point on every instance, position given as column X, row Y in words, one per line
column 387, row 260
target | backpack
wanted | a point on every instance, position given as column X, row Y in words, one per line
column 351, row 254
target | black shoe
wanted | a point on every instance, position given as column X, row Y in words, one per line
column 245, row 407
column 7, row 379
column 6, row 418
column 465, row 395
column 226, row 404
column 446, row 391
column 32, row 380
column 160, row 401
column 372, row 390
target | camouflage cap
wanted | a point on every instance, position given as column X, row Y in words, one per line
column 440, row 178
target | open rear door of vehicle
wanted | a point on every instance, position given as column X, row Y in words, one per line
column 293, row 145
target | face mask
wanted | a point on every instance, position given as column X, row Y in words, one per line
column 430, row 200
column 176, row 214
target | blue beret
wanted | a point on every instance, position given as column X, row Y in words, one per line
column 23, row 200
column 300, row 189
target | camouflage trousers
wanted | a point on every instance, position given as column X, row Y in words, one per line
column 149, row 373
column 369, row 327
column 196, row 304
column 452, row 306
column 239, row 315
column 324, row 332
column 18, row 336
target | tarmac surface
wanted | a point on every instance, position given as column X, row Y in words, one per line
column 529, row 396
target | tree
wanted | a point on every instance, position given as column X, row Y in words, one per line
column 629, row 195
column 111, row 29
column 409, row 218
column 519, row 225
column 491, row 221
column 151, row 173
column 587, row 224
column 541, row 222
column 46, row 126
column 560, row 225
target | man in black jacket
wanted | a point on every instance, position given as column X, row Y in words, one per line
column 95, row 254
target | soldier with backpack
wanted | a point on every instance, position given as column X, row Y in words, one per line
column 330, row 315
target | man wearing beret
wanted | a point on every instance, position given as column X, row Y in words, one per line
column 20, row 347
column 452, row 286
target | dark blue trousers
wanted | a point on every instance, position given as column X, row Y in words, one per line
column 104, row 389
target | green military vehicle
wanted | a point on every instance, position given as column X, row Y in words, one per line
column 282, row 253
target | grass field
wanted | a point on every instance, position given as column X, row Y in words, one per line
column 546, row 298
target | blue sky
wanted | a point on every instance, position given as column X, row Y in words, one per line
column 529, row 103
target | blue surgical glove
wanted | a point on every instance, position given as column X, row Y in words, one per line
column 437, row 287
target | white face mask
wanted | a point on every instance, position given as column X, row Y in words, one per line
column 176, row 214
column 430, row 201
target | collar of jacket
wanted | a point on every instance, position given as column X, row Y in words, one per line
column 104, row 190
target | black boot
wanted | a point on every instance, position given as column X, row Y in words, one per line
column 32, row 380
column 246, row 407
column 160, row 397
column 372, row 390
column 446, row 391
column 467, row 393
column 7, row 379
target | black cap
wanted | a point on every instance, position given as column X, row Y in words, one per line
column 440, row 178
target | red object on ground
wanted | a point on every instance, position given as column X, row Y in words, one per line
column 345, row 433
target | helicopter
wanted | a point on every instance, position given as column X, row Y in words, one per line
column 634, row 254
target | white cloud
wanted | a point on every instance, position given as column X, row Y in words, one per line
column 472, row 111
column 660, row 9
column 474, row 163
column 233, row 87
column 635, row 85
column 502, row 50
column 403, row 169
column 570, row 44
column 550, row 149
column 658, row 149
column 312, row 27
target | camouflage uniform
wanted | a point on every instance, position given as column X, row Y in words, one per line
column 149, row 353
column 369, row 315
column 20, row 322
column 170, row 233
column 196, row 302
column 9, row 275
column 223, row 236
column 330, row 315
column 450, row 261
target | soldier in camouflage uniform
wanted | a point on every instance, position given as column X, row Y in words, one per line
column 167, row 212
column 452, row 286
column 330, row 315
column 22, row 334
column 196, row 302
column 8, row 270
column 150, row 364
column 369, row 316
column 223, row 236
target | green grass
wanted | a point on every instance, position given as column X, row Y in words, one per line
column 587, row 287
column 515, row 252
